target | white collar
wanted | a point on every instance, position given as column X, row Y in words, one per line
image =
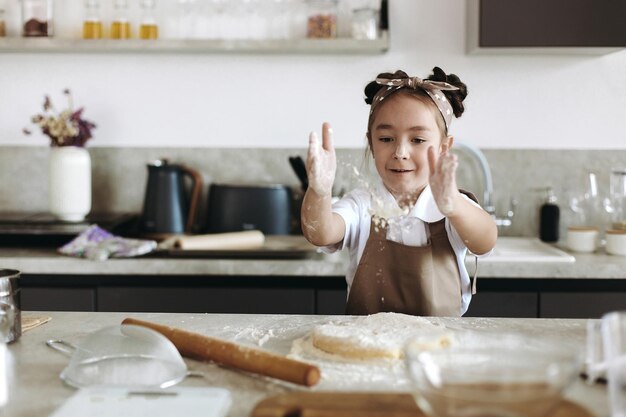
column 425, row 207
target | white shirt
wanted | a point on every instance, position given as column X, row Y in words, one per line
column 410, row 228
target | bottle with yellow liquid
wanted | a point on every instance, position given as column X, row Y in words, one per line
column 120, row 25
column 92, row 25
column 148, row 28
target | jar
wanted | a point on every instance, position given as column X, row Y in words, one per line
column 120, row 25
column 3, row 30
column 364, row 24
column 321, row 19
column 37, row 18
column 92, row 23
column 148, row 28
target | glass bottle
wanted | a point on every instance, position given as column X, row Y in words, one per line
column 148, row 28
column 120, row 26
column 321, row 19
column 549, row 217
column 37, row 18
column 92, row 24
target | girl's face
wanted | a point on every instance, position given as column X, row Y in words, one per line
column 403, row 129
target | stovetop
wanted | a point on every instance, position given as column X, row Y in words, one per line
column 45, row 229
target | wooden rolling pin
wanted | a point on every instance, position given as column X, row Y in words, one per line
column 198, row 346
column 249, row 239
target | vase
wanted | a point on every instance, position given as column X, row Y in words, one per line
column 69, row 183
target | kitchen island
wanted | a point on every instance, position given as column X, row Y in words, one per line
column 35, row 390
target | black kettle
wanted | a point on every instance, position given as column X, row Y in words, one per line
column 167, row 207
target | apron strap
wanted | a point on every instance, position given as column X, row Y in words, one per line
column 475, row 278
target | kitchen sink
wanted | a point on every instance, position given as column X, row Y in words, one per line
column 524, row 249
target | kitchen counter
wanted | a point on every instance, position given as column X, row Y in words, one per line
column 35, row 390
column 47, row 261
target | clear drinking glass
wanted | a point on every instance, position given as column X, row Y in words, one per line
column 618, row 197
column 606, row 357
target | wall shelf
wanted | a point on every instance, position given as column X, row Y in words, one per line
column 282, row 46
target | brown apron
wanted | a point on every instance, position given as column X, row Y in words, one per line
column 417, row 280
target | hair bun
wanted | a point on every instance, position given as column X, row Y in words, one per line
column 455, row 97
column 373, row 87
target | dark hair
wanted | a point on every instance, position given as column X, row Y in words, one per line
column 455, row 97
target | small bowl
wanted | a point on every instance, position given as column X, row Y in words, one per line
column 491, row 379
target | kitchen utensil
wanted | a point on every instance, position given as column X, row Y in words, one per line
column 178, row 401
column 122, row 356
column 249, row 239
column 233, row 208
column 298, row 166
column 364, row 404
column 236, row 356
column 494, row 375
column 10, row 314
column 274, row 247
column 166, row 207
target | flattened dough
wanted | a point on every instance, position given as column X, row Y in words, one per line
column 378, row 336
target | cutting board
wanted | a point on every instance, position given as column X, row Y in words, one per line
column 361, row 404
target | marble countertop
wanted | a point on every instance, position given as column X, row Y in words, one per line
column 34, row 388
column 47, row 262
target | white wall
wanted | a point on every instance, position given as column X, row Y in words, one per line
column 213, row 100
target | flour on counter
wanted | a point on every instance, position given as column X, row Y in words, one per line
column 367, row 352
column 339, row 373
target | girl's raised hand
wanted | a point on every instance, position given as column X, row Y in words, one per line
column 321, row 162
column 443, row 179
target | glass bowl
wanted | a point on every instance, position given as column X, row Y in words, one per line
column 491, row 378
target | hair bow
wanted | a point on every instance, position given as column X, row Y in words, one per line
column 432, row 88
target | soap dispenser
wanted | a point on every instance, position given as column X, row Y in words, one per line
column 549, row 216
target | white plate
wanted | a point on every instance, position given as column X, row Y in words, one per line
column 179, row 401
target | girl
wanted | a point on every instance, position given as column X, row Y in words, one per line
column 408, row 237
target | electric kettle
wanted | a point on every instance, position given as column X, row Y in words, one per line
column 168, row 207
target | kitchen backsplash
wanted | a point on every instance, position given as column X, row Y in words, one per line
column 119, row 176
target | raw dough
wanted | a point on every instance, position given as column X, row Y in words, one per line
column 382, row 335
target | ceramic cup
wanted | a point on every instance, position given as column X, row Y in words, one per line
column 616, row 242
column 582, row 239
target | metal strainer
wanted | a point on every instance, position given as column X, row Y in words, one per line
column 122, row 356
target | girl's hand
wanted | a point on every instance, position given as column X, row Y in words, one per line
column 321, row 162
column 443, row 179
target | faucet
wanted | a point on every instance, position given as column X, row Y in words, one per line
column 488, row 203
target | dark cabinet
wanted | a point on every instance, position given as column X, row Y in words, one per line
column 42, row 298
column 505, row 298
column 503, row 304
column 207, row 299
column 549, row 23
